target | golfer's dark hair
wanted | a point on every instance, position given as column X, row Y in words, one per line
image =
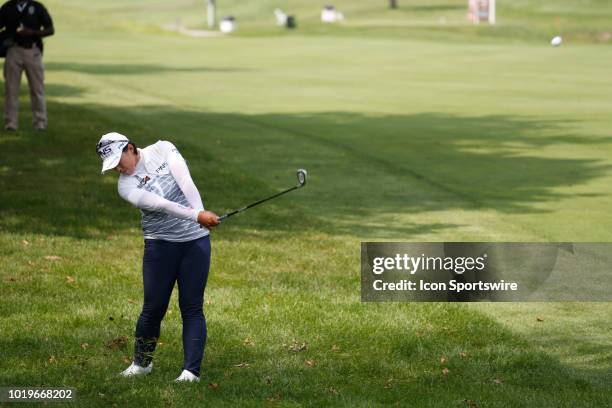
column 133, row 145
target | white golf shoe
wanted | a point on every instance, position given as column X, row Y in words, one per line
column 135, row 370
column 187, row 376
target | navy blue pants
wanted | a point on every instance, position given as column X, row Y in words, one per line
column 165, row 263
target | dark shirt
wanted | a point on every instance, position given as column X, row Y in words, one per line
column 33, row 16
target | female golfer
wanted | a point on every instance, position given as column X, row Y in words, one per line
column 156, row 180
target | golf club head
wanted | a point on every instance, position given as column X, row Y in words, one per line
column 301, row 176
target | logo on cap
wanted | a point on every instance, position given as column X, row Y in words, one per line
column 105, row 149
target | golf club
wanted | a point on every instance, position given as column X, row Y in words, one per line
column 301, row 176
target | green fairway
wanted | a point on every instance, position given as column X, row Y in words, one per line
column 411, row 130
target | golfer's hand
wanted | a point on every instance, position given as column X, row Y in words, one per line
column 208, row 219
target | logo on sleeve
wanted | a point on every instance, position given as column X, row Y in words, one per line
column 163, row 166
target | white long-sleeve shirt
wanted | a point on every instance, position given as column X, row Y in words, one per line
column 162, row 188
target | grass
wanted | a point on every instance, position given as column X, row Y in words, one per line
column 415, row 133
column 583, row 21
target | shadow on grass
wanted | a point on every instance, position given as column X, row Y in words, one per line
column 63, row 90
column 366, row 172
column 130, row 69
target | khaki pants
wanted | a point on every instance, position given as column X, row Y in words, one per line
column 17, row 60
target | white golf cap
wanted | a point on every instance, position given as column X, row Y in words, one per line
column 109, row 149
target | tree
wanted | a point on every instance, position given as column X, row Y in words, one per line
column 393, row 4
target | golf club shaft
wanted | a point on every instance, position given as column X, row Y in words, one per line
column 224, row 216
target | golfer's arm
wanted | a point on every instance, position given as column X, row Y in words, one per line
column 152, row 202
column 180, row 172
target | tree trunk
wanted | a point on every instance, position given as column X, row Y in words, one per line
column 393, row 4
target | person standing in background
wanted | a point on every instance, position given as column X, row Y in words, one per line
column 25, row 23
